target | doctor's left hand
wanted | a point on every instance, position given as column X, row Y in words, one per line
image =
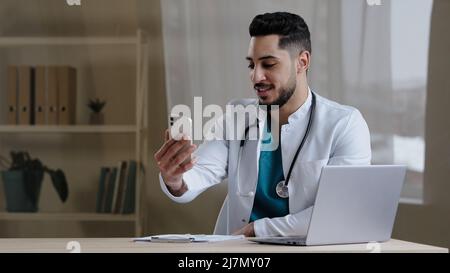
column 248, row 230
column 175, row 158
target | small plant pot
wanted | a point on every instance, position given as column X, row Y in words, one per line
column 21, row 195
column 97, row 119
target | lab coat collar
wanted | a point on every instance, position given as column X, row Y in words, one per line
column 302, row 110
column 298, row 114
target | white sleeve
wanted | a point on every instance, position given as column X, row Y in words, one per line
column 210, row 169
column 289, row 225
column 352, row 147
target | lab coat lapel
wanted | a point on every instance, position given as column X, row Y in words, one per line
column 240, row 204
column 249, row 167
column 250, row 160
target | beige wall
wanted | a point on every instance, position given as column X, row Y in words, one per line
column 431, row 223
column 84, row 154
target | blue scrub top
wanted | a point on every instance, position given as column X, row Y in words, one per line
column 267, row 203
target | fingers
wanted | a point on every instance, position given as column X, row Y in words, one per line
column 166, row 135
column 162, row 151
column 179, row 158
column 168, row 148
column 237, row 232
column 172, row 156
column 175, row 149
column 185, row 167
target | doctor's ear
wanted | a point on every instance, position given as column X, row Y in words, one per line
column 303, row 61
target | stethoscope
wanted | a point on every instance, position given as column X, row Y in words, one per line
column 281, row 189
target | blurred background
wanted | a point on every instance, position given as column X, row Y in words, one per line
column 388, row 58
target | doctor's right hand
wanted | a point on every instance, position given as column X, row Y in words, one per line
column 173, row 159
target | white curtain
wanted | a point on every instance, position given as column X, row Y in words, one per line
column 354, row 61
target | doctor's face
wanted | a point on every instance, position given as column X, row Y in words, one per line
column 272, row 71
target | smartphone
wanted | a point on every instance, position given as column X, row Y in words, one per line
column 179, row 126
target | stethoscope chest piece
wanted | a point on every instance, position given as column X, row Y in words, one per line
column 282, row 186
column 282, row 189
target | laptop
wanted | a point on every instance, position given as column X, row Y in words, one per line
column 354, row 204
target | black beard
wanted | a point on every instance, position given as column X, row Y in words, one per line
column 284, row 97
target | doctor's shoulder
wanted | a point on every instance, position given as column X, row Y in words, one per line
column 339, row 114
column 347, row 131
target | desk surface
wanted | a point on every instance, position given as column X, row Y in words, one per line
column 235, row 246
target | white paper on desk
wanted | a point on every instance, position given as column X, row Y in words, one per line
column 217, row 238
column 183, row 238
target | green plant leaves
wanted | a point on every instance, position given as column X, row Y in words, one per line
column 60, row 184
column 96, row 105
column 34, row 172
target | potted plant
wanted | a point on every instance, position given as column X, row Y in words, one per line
column 96, row 105
column 23, row 179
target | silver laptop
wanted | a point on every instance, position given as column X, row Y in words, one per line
column 354, row 204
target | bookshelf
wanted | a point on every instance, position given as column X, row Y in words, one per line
column 99, row 129
column 137, row 130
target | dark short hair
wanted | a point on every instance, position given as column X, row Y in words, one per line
column 291, row 28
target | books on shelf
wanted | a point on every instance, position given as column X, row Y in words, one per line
column 25, row 96
column 117, row 188
column 41, row 95
column 102, row 186
column 67, row 94
column 109, row 191
column 130, row 189
column 12, row 89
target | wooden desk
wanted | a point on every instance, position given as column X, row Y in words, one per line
column 236, row 246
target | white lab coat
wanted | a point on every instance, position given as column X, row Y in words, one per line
column 339, row 136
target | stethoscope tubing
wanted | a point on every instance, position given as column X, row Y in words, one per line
column 291, row 167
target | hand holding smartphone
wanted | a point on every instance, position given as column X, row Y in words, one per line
column 180, row 128
column 174, row 158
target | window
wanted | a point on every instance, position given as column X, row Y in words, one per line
column 410, row 20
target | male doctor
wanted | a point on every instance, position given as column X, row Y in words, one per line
column 314, row 132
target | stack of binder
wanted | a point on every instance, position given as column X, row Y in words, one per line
column 117, row 188
column 42, row 95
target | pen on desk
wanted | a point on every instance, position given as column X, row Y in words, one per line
column 171, row 240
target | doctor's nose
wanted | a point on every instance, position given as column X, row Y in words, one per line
column 257, row 75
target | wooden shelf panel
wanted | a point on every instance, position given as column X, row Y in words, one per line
column 41, row 216
column 138, row 44
column 68, row 129
column 63, row 41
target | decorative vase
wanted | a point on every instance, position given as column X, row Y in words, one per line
column 97, row 118
column 22, row 190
